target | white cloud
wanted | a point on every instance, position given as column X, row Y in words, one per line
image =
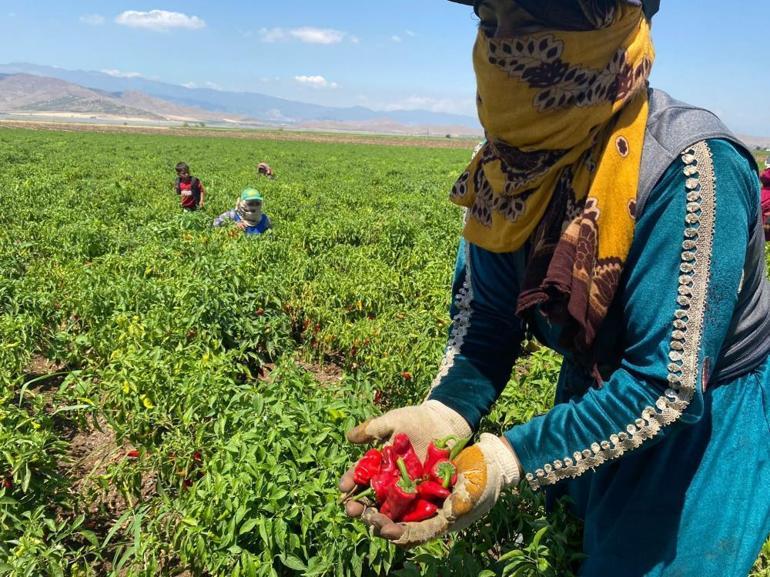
column 306, row 34
column 92, row 19
column 354, row 40
column 271, row 35
column 396, row 38
column 120, row 74
column 315, row 81
column 159, row 20
column 318, row 35
column 442, row 105
column 207, row 84
column 410, row 33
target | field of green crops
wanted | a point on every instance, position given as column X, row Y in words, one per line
column 174, row 397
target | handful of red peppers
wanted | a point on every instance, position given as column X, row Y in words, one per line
column 404, row 488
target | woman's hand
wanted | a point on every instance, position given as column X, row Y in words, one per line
column 422, row 424
column 483, row 471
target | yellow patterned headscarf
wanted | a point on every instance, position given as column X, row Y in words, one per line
column 565, row 116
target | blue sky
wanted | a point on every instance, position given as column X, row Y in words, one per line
column 384, row 55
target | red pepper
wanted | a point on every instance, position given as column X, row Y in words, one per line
column 437, row 451
column 444, row 473
column 132, row 454
column 442, row 470
column 433, row 491
column 401, row 495
column 388, row 475
column 421, row 510
column 404, row 449
column 367, row 467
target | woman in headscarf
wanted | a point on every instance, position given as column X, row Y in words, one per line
column 247, row 215
column 622, row 229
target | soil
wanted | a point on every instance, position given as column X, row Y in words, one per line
column 325, row 374
column 91, row 453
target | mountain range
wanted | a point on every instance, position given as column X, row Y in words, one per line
column 37, row 89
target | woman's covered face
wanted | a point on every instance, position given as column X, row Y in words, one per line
column 505, row 19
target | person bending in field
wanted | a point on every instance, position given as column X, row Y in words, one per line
column 247, row 215
column 263, row 169
column 190, row 189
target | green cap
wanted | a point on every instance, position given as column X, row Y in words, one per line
column 250, row 194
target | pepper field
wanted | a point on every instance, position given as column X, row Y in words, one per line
column 175, row 397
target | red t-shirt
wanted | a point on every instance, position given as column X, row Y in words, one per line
column 189, row 193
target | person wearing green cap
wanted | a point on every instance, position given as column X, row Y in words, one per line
column 247, row 215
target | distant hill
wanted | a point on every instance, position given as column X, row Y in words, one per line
column 756, row 142
column 26, row 93
column 256, row 107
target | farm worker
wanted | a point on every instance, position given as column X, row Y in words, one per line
column 263, row 169
column 764, row 177
column 247, row 215
column 192, row 193
column 621, row 228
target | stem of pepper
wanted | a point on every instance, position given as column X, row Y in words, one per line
column 445, row 471
column 362, row 494
column 406, row 482
column 442, row 443
column 458, row 446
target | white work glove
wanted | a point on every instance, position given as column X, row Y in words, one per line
column 483, row 471
column 423, row 423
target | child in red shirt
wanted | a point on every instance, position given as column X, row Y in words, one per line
column 190, row 189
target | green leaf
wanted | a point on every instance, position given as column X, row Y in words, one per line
column 90, row 536
column 539, row 536
column 293, row 562
column 248, row 525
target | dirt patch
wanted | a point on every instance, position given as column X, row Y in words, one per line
column 43, row 376
column 39, row 366
column 324, row 374
column 253, row 134
column 93, row 452
column 265, row 370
